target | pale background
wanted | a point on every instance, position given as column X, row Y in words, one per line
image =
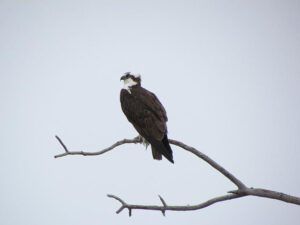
column 228, row 73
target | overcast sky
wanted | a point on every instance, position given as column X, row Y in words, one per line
column 227, row 72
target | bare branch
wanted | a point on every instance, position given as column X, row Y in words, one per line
column 242, row 190
column 165, row 208
column 211, row 162
column 135, row 140
column 273, row 195
column 235, row 194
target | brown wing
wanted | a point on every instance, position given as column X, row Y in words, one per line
column 147, row 114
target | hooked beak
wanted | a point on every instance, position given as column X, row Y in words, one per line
column 123, row 78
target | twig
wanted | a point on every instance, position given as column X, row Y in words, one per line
column 62, row 144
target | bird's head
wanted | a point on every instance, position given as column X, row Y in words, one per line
column 131, row 79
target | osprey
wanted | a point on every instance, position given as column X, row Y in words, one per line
column 147, row 115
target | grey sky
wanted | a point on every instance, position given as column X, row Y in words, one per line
column 227, row 72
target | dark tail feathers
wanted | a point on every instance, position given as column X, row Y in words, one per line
column 162, row 147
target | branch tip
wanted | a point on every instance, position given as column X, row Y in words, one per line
column 62, row 144
column 163, row 201
column 120, row 210
column 130, row 212
column 117, row 198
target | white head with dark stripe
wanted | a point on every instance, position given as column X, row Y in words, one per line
column 130, row 80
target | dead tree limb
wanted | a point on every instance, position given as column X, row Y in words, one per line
column 242, row 189
column 166, row 207
column 118, row 143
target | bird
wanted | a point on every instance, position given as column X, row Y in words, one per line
column 147, row 115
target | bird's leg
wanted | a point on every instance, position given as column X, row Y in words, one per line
column 144, row 141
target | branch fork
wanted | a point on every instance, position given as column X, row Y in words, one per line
column 130, row 207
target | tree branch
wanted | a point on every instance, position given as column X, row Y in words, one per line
column 135, row 140
column 264, row 193
column 242, row 190
column 165, row 208
column 211, row 162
